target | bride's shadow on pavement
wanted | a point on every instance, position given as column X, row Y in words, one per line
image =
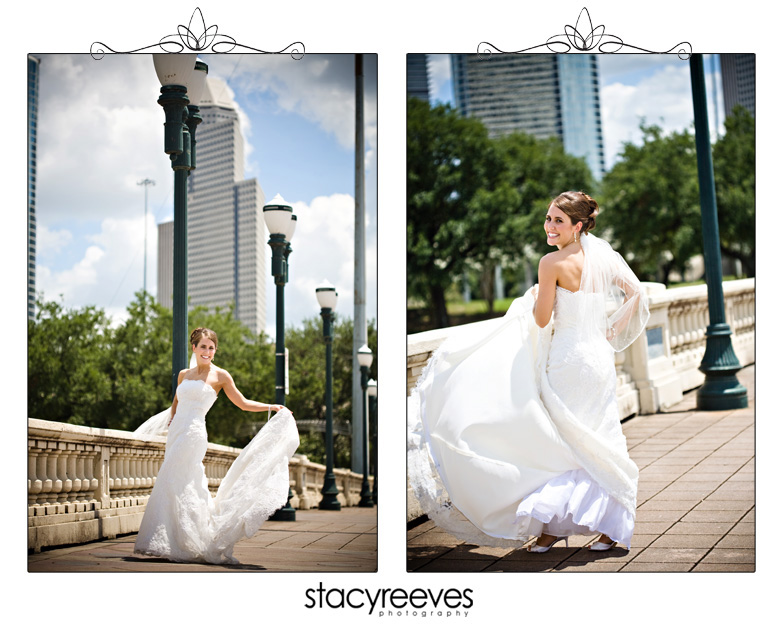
column 207, row 567
column 473, row 558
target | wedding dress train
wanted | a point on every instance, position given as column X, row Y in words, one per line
column 182, row 521
column 514, row 430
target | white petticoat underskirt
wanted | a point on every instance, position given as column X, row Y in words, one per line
column 573, row 504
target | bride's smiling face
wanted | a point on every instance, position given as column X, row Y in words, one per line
column 204, row 350
column 559, row 228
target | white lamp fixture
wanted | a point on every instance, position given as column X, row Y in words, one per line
column 174, row 69
column 292, row 227
column 196, row 82
column 372, row 388
column 327, row 295
column 278, row 217
column 365, row 356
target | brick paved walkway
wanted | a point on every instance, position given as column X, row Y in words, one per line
column 318, row 541
column 695, row 505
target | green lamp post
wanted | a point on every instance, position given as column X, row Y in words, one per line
column 373, row 394
column 328, row 299
column 365, row 358
column 281, row 223
column 721, row 389
column 182, row 79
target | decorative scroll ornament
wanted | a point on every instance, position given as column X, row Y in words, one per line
column 583, row 37
column 196, row 37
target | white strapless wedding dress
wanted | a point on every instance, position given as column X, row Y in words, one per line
column 514, row 431
column 183, row 522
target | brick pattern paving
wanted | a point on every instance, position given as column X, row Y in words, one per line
column 318, row 541
column 695, row 504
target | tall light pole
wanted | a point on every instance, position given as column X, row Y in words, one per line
column 328, row 299
column 365, row 358
column 721, row 389
column 360, row 318
column 146, row 183
column 373, row 394
column 182, row 80
column 281, row 222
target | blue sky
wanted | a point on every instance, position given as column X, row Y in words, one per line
column 632, row 86
column 297, row 118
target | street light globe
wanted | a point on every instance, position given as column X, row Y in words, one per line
column 372, row 388
column 174, row 69
column 196, row 82
column 277, row 216
column 327, row 295
column 292, row 226
column 365, row 356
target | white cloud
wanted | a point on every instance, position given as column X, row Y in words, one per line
column 50, row 242
column 110, row 271
column 662, row 96
column 100, row 133
column 663, row 99
column 317, row 87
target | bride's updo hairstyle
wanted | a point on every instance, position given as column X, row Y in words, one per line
column 580, row 207
column 202, row 332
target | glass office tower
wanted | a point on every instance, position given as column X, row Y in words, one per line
column 544, row 95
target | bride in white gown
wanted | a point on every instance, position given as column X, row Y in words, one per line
column 513, row 430
column 182, row 521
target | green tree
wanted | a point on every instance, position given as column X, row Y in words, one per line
column 83, row 371
column 452, row 208
column 307, row 376
column 140, row 364
column 69, row 376
column 733, row 165
column 475, row 202
column 650, row 202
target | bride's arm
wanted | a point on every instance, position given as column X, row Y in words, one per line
column 236, row 397
column 545, row 298
column 174, row 402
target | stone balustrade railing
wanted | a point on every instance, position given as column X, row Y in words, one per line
column 663, row 362
column 86, row 484
column 655, row 371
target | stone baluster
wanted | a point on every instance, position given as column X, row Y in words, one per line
column 34, row 483
column 676, row 329
column 84, row 480
column 68, row 464
column 61, row 485
column 124, row 465
column 51, row 474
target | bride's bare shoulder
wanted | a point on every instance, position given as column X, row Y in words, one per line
column 222, row 373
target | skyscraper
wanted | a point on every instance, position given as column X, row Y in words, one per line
column 416, row 76
column 226, row 234
column 738, row 77
column 541, row 94
column 33, row 66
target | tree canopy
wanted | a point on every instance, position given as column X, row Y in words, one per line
column 651, row 199
column 84, row 370
column 472, row 200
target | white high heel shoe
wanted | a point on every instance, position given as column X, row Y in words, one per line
column 536, row 548
column 602, row 546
